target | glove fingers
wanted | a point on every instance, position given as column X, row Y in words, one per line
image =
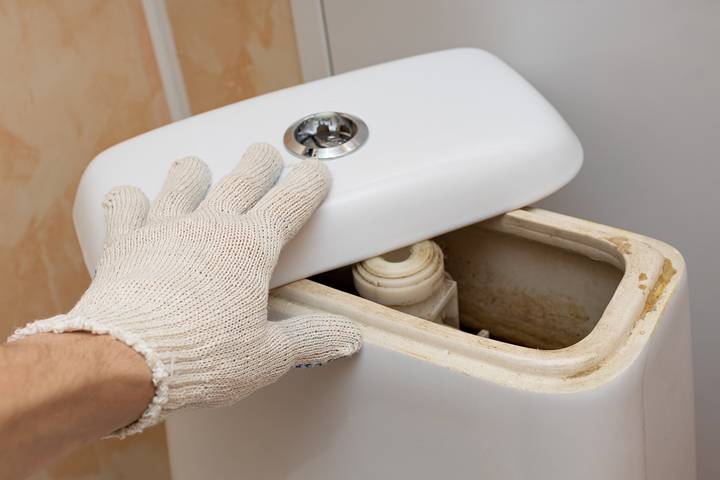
column 237, row 192
column 126, row 209
column 316, row 339
column 289, row 204
column 185, row 185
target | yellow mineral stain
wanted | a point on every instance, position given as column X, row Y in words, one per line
column 584, row 373
column 668, row 271
column 622, row 244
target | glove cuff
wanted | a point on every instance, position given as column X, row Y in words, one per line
column 160, row 373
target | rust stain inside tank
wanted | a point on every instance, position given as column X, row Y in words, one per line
column 524, row 318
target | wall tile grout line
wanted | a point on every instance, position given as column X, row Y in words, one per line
column 168, row 63
column 311, row 35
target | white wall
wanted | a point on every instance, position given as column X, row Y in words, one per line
column 638, row 80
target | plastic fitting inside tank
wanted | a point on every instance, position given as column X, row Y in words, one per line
column 412, row 280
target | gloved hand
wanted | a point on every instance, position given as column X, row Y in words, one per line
column 184, row 281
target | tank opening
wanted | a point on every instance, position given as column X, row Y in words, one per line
column 523, row 292
column 397, row 256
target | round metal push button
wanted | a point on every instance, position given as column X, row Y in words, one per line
column 325, row 135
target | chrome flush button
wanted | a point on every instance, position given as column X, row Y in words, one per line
column 325, row 135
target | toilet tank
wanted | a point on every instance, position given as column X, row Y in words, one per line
column 587, row 371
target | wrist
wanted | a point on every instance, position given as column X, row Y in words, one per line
column 124, row 337
column 109, row 382
column 60, row 391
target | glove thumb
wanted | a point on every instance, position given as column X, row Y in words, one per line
column 318, row 338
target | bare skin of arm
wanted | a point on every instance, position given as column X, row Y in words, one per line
column 61, row 391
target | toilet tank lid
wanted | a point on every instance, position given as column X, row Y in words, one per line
column 455, row 137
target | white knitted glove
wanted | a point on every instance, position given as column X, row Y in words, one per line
column 185, row 283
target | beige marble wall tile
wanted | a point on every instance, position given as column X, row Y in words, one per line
column 230, row 50
column 76, row 76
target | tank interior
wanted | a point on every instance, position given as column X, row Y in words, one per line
column 523, row 292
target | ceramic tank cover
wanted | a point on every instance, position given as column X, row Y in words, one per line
column 453, row 137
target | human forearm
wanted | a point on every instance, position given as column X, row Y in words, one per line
column 183, row 280
column 59, row 391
